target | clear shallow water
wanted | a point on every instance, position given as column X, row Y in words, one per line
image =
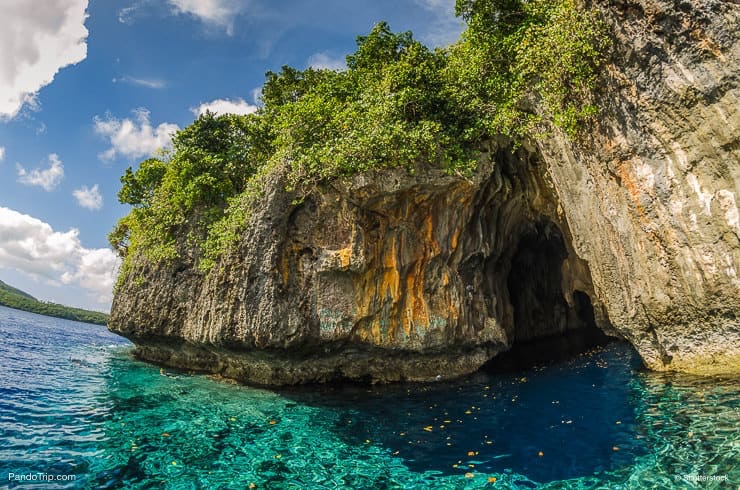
column 72, row 401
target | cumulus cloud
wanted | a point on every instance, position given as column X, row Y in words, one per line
column 225, row 106
column 89, row 198
column 142, row 82
column 2, row 153
column 324, row 61
column 218, row 13
column 133, row 138
column 32, row 247
column 48, row 178
column 36, row 41
column 94, row 270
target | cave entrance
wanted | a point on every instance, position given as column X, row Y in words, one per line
column 547, row 327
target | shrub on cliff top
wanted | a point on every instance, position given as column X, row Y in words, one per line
column 516, row 54
column 398, row 103
column 389, row 108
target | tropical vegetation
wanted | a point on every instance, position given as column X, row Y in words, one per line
column 521, row 68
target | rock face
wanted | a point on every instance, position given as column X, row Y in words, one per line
column 392, row 275
column 651, row 197
column 383, row 276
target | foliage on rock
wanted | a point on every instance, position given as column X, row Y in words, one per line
column 516, row 54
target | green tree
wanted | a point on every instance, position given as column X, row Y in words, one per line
column 138, row 187
column 379, row 48
column 517, row 51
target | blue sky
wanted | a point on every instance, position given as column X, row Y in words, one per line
column 90, row 88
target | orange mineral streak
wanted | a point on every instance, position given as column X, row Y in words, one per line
column 389, row 294
column 454, row 238
column 407, row 316
column 285, row 268
column 707, row 44
column 414, row 304
column 390, row 280
column 375, row 331
column 285, row 263
column 375, row 288
column 633, row 189
column 429, row 233
column 345, row 257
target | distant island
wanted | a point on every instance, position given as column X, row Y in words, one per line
column 20, row 300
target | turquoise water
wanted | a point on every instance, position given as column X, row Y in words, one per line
column 73, row 401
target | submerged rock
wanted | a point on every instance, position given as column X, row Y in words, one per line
column 393, row 275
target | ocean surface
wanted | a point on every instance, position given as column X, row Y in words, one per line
column 74, row 402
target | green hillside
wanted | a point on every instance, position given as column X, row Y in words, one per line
column 10, row 289
column 20, row 300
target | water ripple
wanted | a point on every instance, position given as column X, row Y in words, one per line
column 72, row 401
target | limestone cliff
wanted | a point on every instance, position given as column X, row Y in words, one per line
column 385, row 276
column 651, row 197
column 391, row 275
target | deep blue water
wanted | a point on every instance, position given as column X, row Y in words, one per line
column 73, row 401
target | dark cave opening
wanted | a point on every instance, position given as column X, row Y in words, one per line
column 546, row 327
column 534, row 283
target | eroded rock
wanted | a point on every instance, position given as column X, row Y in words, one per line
column 383, row 276
column 650, row 196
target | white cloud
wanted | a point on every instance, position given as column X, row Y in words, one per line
column 443, row 5
column 89, row 198
column 36, row 41
column 48, row 178
column 445, row 28
column 323, row 60
column 219, row 13
column 135, row 138
column 126, row 13
column 2, row 153
column 257, row 95
column 32, row 247
column 142, row 82
column 225, row 106
column 95, row 271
